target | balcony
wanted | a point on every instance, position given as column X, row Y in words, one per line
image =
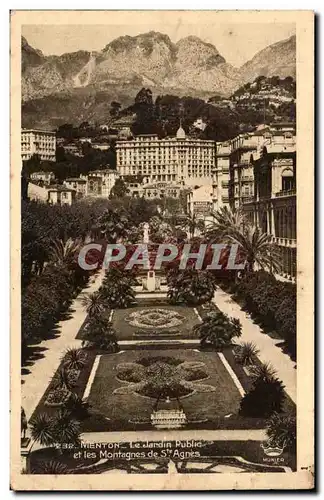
column 285, row 242
column 249, row 199
column 282, row 194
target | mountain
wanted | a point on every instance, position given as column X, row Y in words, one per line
column 80, row 85
column 278, row 59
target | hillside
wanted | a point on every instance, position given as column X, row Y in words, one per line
column 79, row 86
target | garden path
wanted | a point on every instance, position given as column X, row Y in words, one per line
column 269, row 351
column 41, row 372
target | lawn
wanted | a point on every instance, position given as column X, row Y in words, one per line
column 176, row 322
column 134, row 407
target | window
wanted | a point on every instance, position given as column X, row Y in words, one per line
column 287, row 180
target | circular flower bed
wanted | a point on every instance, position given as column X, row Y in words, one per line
column 162, row 377
column 155, row 318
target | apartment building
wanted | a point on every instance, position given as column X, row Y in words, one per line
column 179, row 159
column 40, row 142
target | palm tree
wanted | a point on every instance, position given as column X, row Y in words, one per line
column 50, row 467
column 263, row 371
column 245, row 353
column 41, row 429
column 225, row 220
column 281, row 430
column 218, row 330
column 257, row 248
column 63, row 253
column 62, row 380
column 94, row 304
column 193, row 223
column 65, row 428
column 74, row 359
column 50, row 430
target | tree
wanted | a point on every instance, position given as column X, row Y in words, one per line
column 41, row 429
column 94, row 304
column 115, row 108
column 117, row 288
column 63, row 253
column 52, row 430
column 225, row 221
column 190, row 286
column 264, row 399
column 218, row 330
column 193, row 223
column 281, row 430
column 114, row 224
column 119, row 190
column 257, row 247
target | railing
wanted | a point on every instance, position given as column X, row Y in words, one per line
column 290, row 192
column 286, row 242
column 249, row 199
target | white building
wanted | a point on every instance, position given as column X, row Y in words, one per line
column 200, row 202
column 45, row 177
column 40, row 142
column 177, row 159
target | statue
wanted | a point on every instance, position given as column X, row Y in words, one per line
column 146, row 228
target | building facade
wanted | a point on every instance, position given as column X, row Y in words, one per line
column 78, row 184
column 44, row 177
column 200, row 202
column 273, row 206
column 179, row 159
column 99, row 183
column 39, row 142
column 61, row 195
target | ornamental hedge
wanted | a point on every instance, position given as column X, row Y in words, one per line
column 272, row 302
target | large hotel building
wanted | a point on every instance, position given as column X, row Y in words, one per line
column 40, row 142
column 178, row 160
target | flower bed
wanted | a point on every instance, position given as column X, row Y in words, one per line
column 155, row 318
column 57, row 397
column 161, row 377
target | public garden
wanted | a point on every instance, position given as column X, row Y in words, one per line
column 211, row 355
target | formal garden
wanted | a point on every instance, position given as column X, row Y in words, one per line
column 134, row 352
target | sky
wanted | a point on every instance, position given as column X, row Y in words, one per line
column 236, row 42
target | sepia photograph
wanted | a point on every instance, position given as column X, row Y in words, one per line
column 162, row 250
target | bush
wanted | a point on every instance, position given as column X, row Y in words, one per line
column 264, row 399
column 190, row 286
column 218, row 330
column 246, row 353
column 272, row 302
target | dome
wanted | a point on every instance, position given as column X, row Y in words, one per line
column 181, row 134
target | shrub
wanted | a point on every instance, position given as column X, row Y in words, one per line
column 218, row 330
column 74, row 358
column 190, row 286
column 272, row 302
column 246, row 353
column 265, row 398
column 281, row 430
